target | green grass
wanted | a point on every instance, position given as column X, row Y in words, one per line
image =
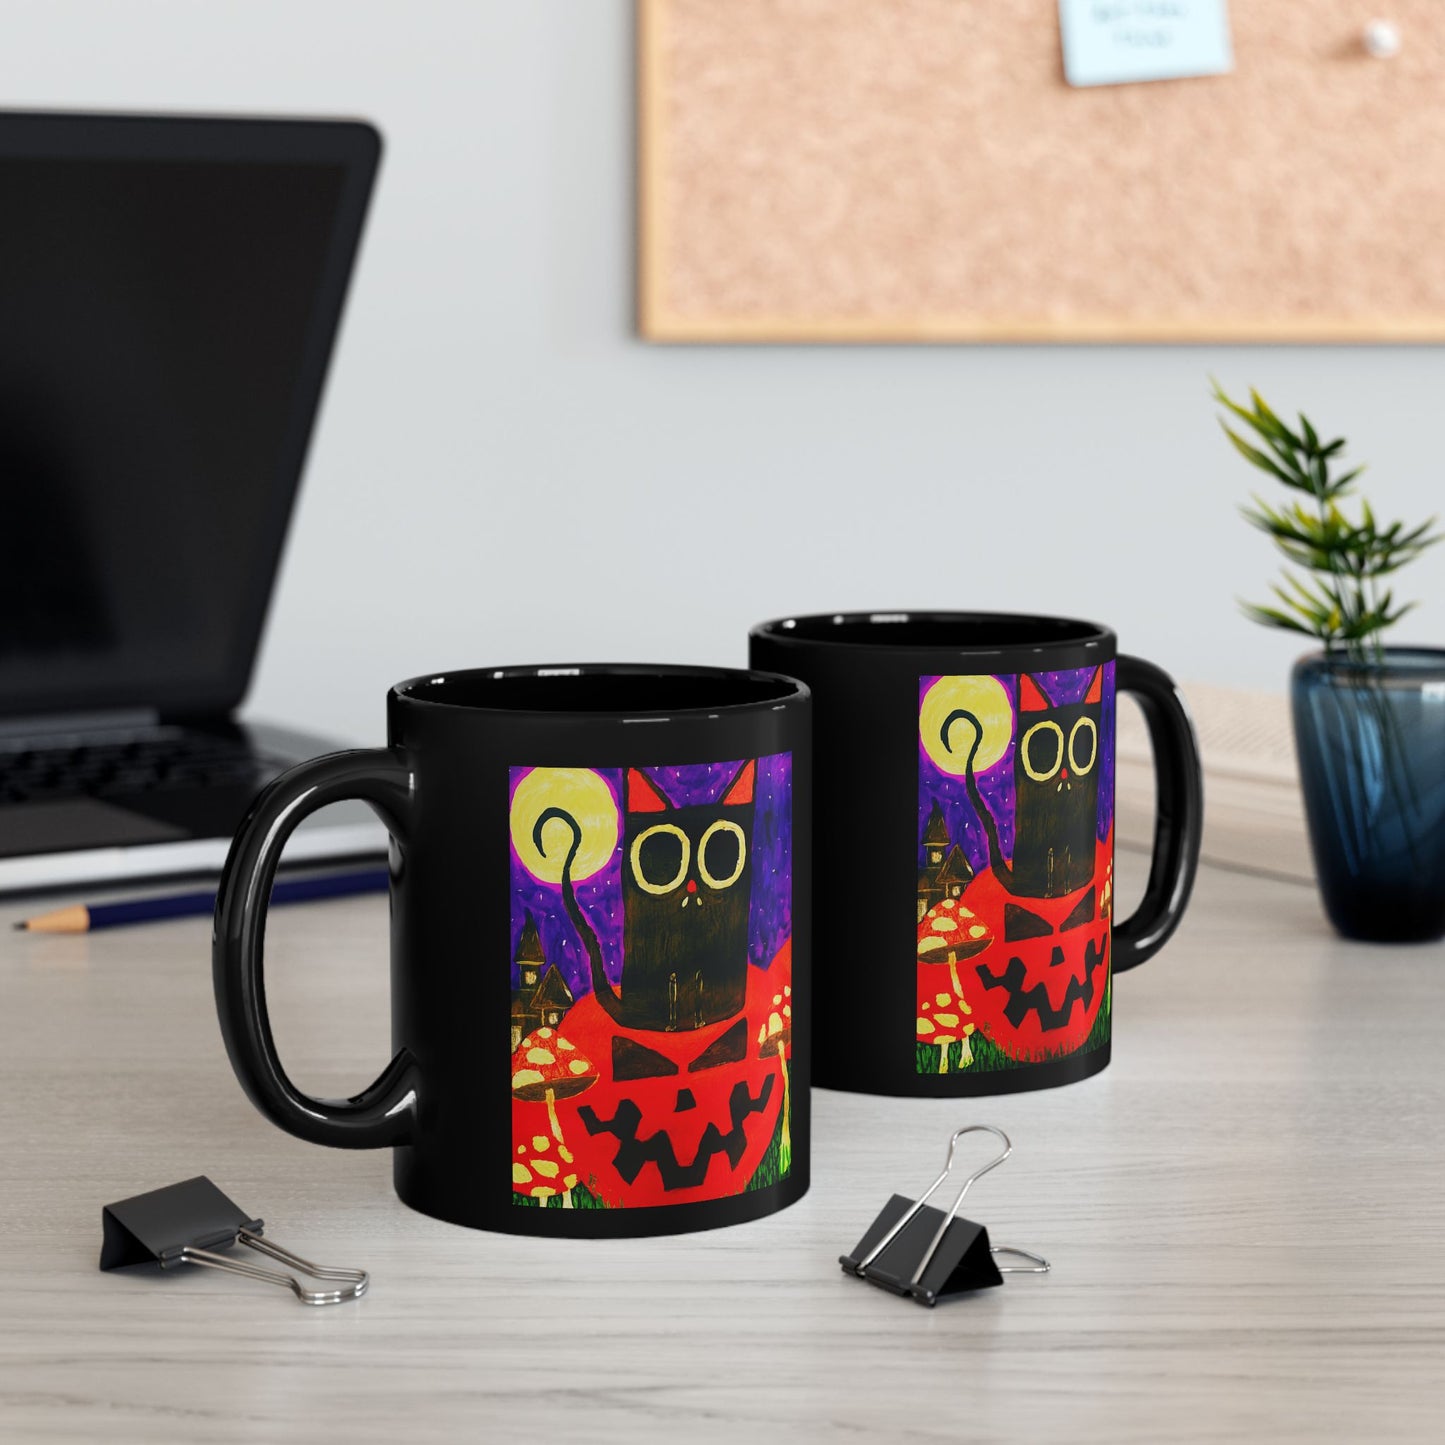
column 989, row 1058
column 582, row 1198
column 769, row 1171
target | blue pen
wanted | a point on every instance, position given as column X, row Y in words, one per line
column 82, row 919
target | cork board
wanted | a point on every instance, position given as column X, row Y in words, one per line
column 919, row 170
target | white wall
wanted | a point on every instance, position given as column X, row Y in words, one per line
column 503, row 473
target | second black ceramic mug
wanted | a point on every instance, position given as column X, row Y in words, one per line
column 963, row 816
column 599, row 947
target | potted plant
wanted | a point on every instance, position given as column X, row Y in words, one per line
column 1369, row 720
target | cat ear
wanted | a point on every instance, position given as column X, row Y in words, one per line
column 1096, row 687
column 1032, row 697
column 644, row 796
column 741, row 788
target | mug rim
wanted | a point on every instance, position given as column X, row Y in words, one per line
column 854, row 629
column 779, row 690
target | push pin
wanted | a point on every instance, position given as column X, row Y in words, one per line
column 915, row 1250
column 1381, row 39
column 189, row 1222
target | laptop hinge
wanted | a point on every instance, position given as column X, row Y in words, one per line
column 53, row 729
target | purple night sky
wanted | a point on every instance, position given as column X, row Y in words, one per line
column 997, row 783
column 770, row 921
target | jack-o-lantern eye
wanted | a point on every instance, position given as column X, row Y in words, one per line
column 1042, row 750
column 1083, row 735
column 721, row 854
column 731, row 1048
column 1082, row 913
column 632, row 1060
column 1020, row 923
column 660, row 855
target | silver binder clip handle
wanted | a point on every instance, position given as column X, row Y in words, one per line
column 977, row 1174
column 1039, row 1266
column 357, row 1280
column 932, row 1189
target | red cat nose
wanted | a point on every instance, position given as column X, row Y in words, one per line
column 1064, row 774
column 692, row 885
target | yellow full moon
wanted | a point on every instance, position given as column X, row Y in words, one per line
column 984, row 697
column 579, row 792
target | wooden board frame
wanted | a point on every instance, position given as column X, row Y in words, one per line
column 659, row 320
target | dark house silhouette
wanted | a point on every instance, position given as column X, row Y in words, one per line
column 946, row 871
column 541, row 996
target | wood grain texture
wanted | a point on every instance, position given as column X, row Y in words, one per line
column 1245, row 1213
column 919, row 170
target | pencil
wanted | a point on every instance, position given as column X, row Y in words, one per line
column 87, row 918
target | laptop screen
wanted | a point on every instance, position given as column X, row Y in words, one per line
column 168, row 296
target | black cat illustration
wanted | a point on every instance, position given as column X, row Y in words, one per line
column 686, row 889
column 1056, row 790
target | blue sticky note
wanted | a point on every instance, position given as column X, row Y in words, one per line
column 1111, row 42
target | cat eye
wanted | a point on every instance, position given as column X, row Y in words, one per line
column 1084, row 725
column 654, row 851
column 1082, row 913
column 1035, row 749
column 725, row 847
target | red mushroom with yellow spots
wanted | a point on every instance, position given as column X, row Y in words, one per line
column 948, row 934
column 546, row 1067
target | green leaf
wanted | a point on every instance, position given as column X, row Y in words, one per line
column 1263, row 422
column 1267, row 421
column 1315, row 610
column 1271, row 617
column 1339, row 559
column 1257, row 458
column 1417, row 536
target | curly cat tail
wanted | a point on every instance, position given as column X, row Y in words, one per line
column 607, row 996
column 995, row 850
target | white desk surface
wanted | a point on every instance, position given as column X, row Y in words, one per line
column 1245, row 1213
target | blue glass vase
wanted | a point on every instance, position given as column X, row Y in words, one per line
column 1371, row 742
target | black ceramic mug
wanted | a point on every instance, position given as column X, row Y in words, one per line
column 964, row 809
column 599, row 947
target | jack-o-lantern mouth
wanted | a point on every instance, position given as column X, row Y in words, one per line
column 633, row 1153
column 1021, row 999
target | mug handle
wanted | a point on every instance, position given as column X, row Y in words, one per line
column 384, row 1113
column 1178, row 814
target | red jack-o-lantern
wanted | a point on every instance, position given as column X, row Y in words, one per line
column 1037, row 991
column 679, row 1116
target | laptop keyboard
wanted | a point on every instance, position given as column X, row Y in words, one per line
column 153, row 763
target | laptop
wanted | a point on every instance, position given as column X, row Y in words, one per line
column 170, row 290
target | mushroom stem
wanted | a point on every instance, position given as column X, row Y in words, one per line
column 785, row 1144
column 557, row 1135
column 943, row 1058
column 953, row 974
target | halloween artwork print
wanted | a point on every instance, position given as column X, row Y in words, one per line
column 652, row 1002
column 1015, row 867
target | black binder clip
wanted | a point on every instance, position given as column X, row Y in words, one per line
column 915, row 1250
column 187, row 1223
